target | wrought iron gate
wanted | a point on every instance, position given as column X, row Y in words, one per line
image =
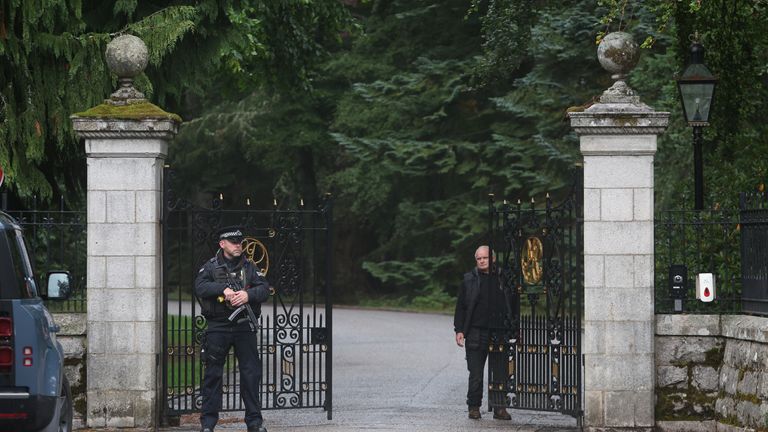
column 535, row 359
column 293, row 248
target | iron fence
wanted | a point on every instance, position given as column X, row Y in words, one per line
column 692, row 242
column 753, row 209
column 56, row 240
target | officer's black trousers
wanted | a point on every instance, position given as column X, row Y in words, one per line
column 217, row 345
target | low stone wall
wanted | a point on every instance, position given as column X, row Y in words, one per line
column 711, row 372
column 73, row 339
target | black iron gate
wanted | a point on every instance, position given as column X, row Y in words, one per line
column 753, row 217
column 292, row 248
column 535, row 359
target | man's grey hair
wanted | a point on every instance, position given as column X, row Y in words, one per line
column 482, row 247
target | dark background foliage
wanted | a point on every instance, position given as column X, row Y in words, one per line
column 409, row 112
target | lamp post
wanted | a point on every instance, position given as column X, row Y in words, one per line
column 697, row 91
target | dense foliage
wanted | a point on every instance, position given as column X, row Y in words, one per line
column 736, row 142
column 411, row 126
column 411, row 116
column 736, row 42
column 52, row 65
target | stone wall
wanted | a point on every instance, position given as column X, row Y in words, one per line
column 711, row 372
column 72, row 337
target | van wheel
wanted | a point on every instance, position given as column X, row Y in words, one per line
column 65, row 416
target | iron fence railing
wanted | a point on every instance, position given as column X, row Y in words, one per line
column 753, row 209
column 56, row 240
column 705, row 241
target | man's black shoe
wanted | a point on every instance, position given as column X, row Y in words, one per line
column 474, row 413
column 257, row 429
column 501, row 414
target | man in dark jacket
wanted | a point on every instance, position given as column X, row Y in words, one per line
column 478, row 309
column 230, row 290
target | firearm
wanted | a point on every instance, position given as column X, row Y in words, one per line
column 236, row 284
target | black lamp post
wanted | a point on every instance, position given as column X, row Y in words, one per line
column 697, row 90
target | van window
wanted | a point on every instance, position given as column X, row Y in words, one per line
column 24, row 256
column 22, row 267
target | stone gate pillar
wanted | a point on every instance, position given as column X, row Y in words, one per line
column 618, row 142
column 126, row 141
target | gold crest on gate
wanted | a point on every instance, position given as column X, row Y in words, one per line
column 256, row 252
column 531, row 260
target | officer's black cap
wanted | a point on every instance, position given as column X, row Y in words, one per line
column 232, row 233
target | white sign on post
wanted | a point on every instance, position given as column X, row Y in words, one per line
column 705, row 287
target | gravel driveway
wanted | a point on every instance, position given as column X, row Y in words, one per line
column 395, row 371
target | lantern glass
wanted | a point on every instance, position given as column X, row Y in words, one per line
column 697, row 89
column 697, row 99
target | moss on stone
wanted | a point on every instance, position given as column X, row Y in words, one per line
column 714, row 357
column 630, row 121
column 701, row 398
column 748, row 397
column 79, row 402
column 665, row 404
column 729, row 420
column 137, row 111
column 686, row 400
column 79, row 406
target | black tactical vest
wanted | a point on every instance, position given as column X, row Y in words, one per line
column 214, row 308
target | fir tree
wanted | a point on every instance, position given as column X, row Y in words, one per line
column 410, row 130
column 52, row 65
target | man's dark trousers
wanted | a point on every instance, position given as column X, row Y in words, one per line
column 476, row 343
column 217, row 346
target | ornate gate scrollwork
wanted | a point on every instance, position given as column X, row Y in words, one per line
column 535, row 356
column 292, row 250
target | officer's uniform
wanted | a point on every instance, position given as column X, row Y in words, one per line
column 216, row 275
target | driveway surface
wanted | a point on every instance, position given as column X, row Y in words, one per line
column 394, row 371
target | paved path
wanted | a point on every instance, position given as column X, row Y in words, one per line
column 395, row 371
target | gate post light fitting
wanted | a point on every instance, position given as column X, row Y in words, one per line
column 697, row 92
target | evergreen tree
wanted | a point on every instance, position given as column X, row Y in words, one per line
column 735, row 143
column 52, row 65
column 735, row 140
column 423, row 147
column 411, row 127
column 414, row 119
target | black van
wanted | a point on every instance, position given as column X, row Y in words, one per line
column 34, row 393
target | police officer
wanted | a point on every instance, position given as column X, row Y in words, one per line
column 228, row 283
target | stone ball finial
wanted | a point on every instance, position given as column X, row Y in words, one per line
column 618, row 53
column 127, row 56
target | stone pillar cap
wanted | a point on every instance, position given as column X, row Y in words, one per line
column 622, row 119
column 116, row 128
column 126, row 114
column 618, row 110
